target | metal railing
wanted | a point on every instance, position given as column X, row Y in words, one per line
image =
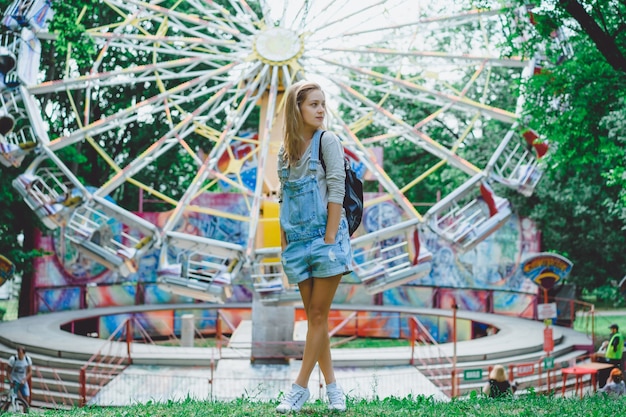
column 115, row 354
column 419, row 334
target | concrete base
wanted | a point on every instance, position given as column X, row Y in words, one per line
column 272, row 334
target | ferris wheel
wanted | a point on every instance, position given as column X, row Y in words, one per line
column 180, row 110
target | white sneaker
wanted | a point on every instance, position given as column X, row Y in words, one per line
column 294, row 400
column 336, row 397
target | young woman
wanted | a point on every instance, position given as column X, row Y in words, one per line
column 314, row 231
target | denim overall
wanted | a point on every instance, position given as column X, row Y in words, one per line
column 303, row 218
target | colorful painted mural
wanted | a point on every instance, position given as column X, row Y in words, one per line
column 65, row 280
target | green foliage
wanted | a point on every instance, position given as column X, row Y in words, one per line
column 477, row 405
column 577, row 104
column 605, row 296
column 70, row 32
column 15, row 217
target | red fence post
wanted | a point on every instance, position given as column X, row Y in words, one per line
column 129, row 338
column 453, row 384
column 82, row 387
column 218, row 331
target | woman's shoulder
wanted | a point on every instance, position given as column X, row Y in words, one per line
column 329, row 136
column 330, row 141
column 281, row 156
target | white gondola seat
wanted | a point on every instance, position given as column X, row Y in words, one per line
column 269, row 281
column 15, row 146
column 49, row 193
column 517, row 162
column 110, row 235
column 204, row 268
column 171, row 279
column 468, row 215
column 390, row 257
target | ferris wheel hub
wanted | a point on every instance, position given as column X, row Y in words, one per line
column 277, row 46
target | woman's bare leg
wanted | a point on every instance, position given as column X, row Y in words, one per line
column 317, row 296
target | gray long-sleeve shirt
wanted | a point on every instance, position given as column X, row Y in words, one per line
column 332, row 182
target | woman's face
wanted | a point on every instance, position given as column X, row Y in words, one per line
column 313, row 110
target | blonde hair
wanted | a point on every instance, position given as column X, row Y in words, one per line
column 296, row 95
column 498, row 373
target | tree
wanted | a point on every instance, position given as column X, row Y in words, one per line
column 577, row 102
column 601, row 32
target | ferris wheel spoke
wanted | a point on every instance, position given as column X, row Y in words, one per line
column 186, row 19
column 157, row 149
column 514, row 62
column 130, row 113
column 441, row 21
column 162, row 145
column 340, row 18
column 447, row 106
column 219, row 13
column 202, row 175
column 195, row 41
column 246, row 105
column 139, row 74
column 419, row 138
column 243, row 8
column 392, row 191
column 166, row 51
column 429, row 95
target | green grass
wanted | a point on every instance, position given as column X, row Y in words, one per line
column 530, row 405
column 601, row 326
column 338, row 342
column 367, row 342
column 198, row 342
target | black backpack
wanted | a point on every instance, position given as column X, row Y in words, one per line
column 353, row 199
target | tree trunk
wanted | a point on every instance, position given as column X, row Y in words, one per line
column 604, row 42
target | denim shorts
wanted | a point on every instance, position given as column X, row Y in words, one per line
column 24, row 389
column 308, row 258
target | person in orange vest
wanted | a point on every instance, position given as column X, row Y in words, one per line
column 613, row 354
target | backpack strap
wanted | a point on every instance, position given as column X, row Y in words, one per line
column 320, row 152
